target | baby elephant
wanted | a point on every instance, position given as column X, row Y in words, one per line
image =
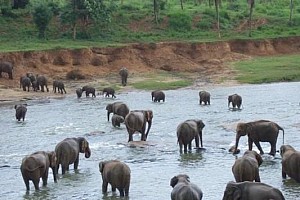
column 290, row 162
column 183, row 189
column 109, row 91
column 79, row 92
column 20, row 111
column 246, row 167
column 116, row 120
column 117, row 174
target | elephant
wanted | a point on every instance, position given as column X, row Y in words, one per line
column 246, row 167
column 158, row 95
column 109, row 91
column 189, row 130
column 183, row 189
column 116, row 120
column 25, row 83
column 118, row 108
column 124, row 74
column 6, row 67
column 36, row 166
column 204, row 97
column 89, row 90
column 251, row 190
column 259, row 131
column 290, row 162
column 136, row 120
column 79, row 92
column 235, row 100
column 67, row 152
column 31, row 77
column 60, row 87
column 117, row 174
column 42, row 82
column 20, row 111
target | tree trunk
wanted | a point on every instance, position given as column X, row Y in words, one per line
column 218, row 16
column 291, row 11
column 155, row 10
column 251, row 5
column 74, row 30
column 181, row 3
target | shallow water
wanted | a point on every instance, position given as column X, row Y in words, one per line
column 48, row 122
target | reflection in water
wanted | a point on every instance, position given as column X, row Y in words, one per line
column 190, row 158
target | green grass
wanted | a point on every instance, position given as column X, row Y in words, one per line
column 154, row 85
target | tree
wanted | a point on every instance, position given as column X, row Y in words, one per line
column 218, row 16
column 42, row 16
column 291, row 11
column 251, row 5
column 155, row 10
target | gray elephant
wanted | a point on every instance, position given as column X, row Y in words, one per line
column 67, row 152
column 183, row 189
column 124, row 74
column 246, row 167
column 158, row 96
column 290, row 162
column 60, row 86
column 259, row 131
column 89, row 90
column 79, row 92
column 116, row 120
column 189, row 130
column 251, row 190
column 20, row 111
column 109, row 91
column 118, row 108
column 36, row 166
column 136, row 121
column 235, row 100
column 6, row 67
column 204, row 97
column 117, row 174
column 25, row 83
column 31, row 77
column 42, row 82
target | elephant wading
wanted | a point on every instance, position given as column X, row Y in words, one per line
column 235, row 100
column 189, row 130
column 116, row 120
column 117, row 174
column 89, row 90
column 109, row 91
column 259, row 131
column 20, row 111
column 67, row 152
column 246, row 167
column 290, row 162
column 6, row 67
column 79, row 92
column 25, row 83
column 60, row 86
column 251, row 190
column 118, row 108
column 136, row 121
column 36, row 166
column 183, row 189
column 204, row 97
column 158, row 96
column 124, row 74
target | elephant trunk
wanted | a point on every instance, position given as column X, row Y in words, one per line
column 87, row 153
column 200, row 136
column 108, row 115
column 236, row 144
column 148, row 129
column 54, row 171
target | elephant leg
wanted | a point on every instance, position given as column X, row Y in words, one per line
column 121, row 190
column 76, row 162
column 257, row 178
column 130, row 137
column 273, row 148
column 259, row 147
column 36, row 183
column 104, row 186
column 185, row 148
column 45, row 178
column 113, row 189
column 250, row 143
column 63, row 169
column 26, row 181
column 126, row 191
column 24, row 88
column 283, row 174
column 190, row 146
column 197, row 141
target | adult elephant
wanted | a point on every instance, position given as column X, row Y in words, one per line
column 118, row 108
column 235, row 100
column 246, row 167
column 109, row 91
column 136, row 121
column 290, row 162
column 42, row 82
column 117, row 174
column 79, row 92
column 116, row 120
column 189, row 130
column 67, row 152
column 158, row 96
column 251, row 190
column 183, row 189
column 36, row 166
column 60, row 86
column 259, row 131
column 6, row 67
column 124, row 74
column 20, row 111
column 89, row 90
column 25, row 83
column 204, row 97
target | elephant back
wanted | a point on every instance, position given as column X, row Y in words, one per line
column 187, row 130
column 67, row 149
column 34, row 161
column 121, row 109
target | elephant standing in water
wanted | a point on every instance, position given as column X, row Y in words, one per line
column 183, row 189
column 89, row 90
column 204, row 97
column 124, row 74
column 36, row 166
column 158, row 96
column 109, row 91
column 290, row 162
column 189, row 130
column 117, row 174
column 6, row 67
column 116, row 120
column 246, row 167
column 20, row 111
column 67, row 152
column 79, row 92
column 235, row 100
column 118, row 108
column 60, row 86
column 136, row 121
column 251, row 190
column 259, row 131
column 42, row 82
column 25, row 83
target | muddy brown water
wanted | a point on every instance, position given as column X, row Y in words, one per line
column 152, row 164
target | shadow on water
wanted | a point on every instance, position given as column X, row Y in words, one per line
column 43, row 193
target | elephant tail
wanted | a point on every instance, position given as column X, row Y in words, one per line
column 280, row 128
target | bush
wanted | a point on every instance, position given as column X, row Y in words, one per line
column 180, row 22
column 205, row 24
column 42, row 16
column 75, row 75
column 20, row 4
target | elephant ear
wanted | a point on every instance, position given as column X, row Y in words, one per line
column 174, row 181
column 149, row 115
column 258, row 158
column 52, row 158
column 101, row 166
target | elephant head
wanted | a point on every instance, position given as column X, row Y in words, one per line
column 200, row 126
column 232, row 191
column 53, row 163
column 256, row 155
column 109, row 109
column 84, row 147
column 242, row 129
column 179, row 178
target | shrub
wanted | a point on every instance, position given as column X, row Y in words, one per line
column 75, row 75
column 42, row 16
column 20, row 4
column 180, row 22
